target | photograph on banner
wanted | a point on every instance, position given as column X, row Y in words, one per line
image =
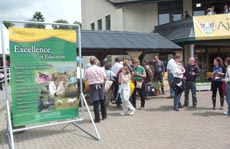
column 43, row 75
column 60, row 90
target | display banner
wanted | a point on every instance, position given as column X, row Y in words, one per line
column 212, row 27
column 43, row 75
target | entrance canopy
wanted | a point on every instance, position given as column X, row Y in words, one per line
column 103, row 43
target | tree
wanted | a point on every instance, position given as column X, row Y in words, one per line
column 37, row 17
column 75, row 27
column 8, row 24
column 61, row 26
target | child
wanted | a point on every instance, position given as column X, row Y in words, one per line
column 124, row 80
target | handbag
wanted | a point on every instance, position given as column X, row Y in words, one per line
column 132, row 87
column 178, row 86
column 108, row 84
column 139, row 84
column 223, row 87
column 86, row 89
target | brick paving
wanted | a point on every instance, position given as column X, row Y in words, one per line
column 158, row 126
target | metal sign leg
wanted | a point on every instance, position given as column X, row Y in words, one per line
column 97, row 137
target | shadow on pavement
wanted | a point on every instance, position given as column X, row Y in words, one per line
column 208, row 114
column 113, row 108
column 197, row 109
column 156, row 97
column 44, row 133
column 162, row 108
column 113, row 114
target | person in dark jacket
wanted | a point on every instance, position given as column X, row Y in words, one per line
column 192, row 70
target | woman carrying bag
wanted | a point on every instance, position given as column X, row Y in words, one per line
column 124, row 80
column 139, row 75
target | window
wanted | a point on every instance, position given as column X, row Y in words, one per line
column 198, row 13
column 92, row 26
column 170, row 11
column 163, row 18
column 99, row 24
column 107, row 23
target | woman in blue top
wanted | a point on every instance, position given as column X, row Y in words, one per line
column 217, row 76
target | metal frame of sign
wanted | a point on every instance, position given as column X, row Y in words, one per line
column 84, row 104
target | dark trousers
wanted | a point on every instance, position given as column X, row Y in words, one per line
column 217, row 85
column 1, row 81
column 141, row 93
column 190, row 85
column 97, row 95
column 96, row 104
column 176, row 101
column 177, row 92
column 147, row 89
column 170, row 80
column 159, row 78
column 1, row 85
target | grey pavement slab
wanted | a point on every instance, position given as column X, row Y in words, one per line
column 2, row 96
column 158, row 127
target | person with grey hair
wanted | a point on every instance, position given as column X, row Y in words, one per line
column 192, row 71
column 96, row 77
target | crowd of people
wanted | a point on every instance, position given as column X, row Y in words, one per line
column 215, row 10
column 130, row 79
column 125, row 73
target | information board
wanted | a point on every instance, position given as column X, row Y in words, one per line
column 43, row 75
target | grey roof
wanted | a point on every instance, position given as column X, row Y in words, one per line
column 115, row 40
column 178, row 31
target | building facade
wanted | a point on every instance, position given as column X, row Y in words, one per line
column 173, row 19
column 131, row 15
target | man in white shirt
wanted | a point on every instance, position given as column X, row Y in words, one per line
column 117, row 66
column 177, row 85
column 115, row 69
column 170, row 75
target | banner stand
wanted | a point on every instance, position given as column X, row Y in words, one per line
column 84, row 104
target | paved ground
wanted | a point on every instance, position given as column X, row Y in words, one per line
column 158, row 126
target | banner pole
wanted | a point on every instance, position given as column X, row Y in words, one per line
column 81, row 89
column 81, row 77
column 92, row 121
column 9, row 122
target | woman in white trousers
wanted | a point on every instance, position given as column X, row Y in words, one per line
column 124, row 80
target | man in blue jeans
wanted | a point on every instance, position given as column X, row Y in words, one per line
column 191, row 72
column 170, row 75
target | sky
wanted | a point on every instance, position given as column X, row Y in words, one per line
column 52, row 10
